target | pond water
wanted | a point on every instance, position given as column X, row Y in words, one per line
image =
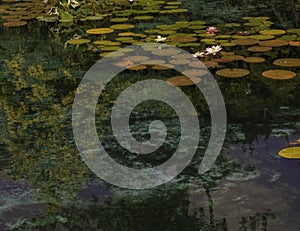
column 45, row 184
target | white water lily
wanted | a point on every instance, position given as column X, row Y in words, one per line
column 73, row 3
column 213, row 50
column 53, row 11
column 199, row 54
column 160, row 39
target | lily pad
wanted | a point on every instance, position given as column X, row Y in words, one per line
column 245, row 42
column 136, row 58
column 137, row 67
column 195, row 72
column 294, row 43
column 15, row 23
column 122, row 26
column 232, row 72
column 183, row 39
column 259, row 48
column 181, row 81
column 162, row 67
column 143, row 17
column 109, row 48
column 254, row 60
column 274, row 43
column 106, row 43
column 279, row 74
column 290, row 153
column 119, row 20
column 179, row 61
column 78, row 41
column 262, row 36
column 166, row 52
column 287, row 62
column 100, row 31
column 272, row 32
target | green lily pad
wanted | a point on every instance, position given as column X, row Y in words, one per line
column 78, row 41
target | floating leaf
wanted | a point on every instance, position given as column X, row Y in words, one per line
column 136, row 58
column 183, row 39
column 195, row 72
column 262, row 36
column 294, row 43
column 166, row 52
column 279, row 74
column 143, row 17
column 259, row 48
column 287, row 62
column 232, row 73
column 137, row 67
column 291, row 153
column 179, row 61
column 109, row 48
column 78, row 41
column 162, row 67
column 181, row 81
column 122, row 26
column 107, row 43
column 254, row 60
column 119, row 20
column 100, row 31
column 245, row 42
column 14, row 23
column 272, row 32
column 274, row 43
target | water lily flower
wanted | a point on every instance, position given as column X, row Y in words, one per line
column 73, row 3
column 199, row 54
column 211, row 30
column 130, row 1
column 53, row 11
column 160, row 39
column 213, row 50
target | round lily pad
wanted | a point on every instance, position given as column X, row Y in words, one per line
column 287, row 62
column 181, row 81
column 210, row 63
column 112, row 54
column 274, row 43
column 259, row 48
column 294, row 43
column 195, row 72
column 254, row 60
column 100, row 31
column 183, row 39
column 162, row 67
column 272, row 32
column 137, row 67
column 122, row 26
column 78, row 41
column 165, row 52
column 106, row 43
column 232, row 72
column 179, row 61
column 245, row 42
column 279, row 74
column 143, row 17
column 291, row 153
column 14, row 23
column 262, row 36
column 109, row 48
column 154, row 62
column 119, row 20
column 137, row 58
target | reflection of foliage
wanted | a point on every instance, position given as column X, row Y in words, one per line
column 163, row 208
column 38, row 135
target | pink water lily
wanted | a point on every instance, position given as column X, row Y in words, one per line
column 211, row 30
